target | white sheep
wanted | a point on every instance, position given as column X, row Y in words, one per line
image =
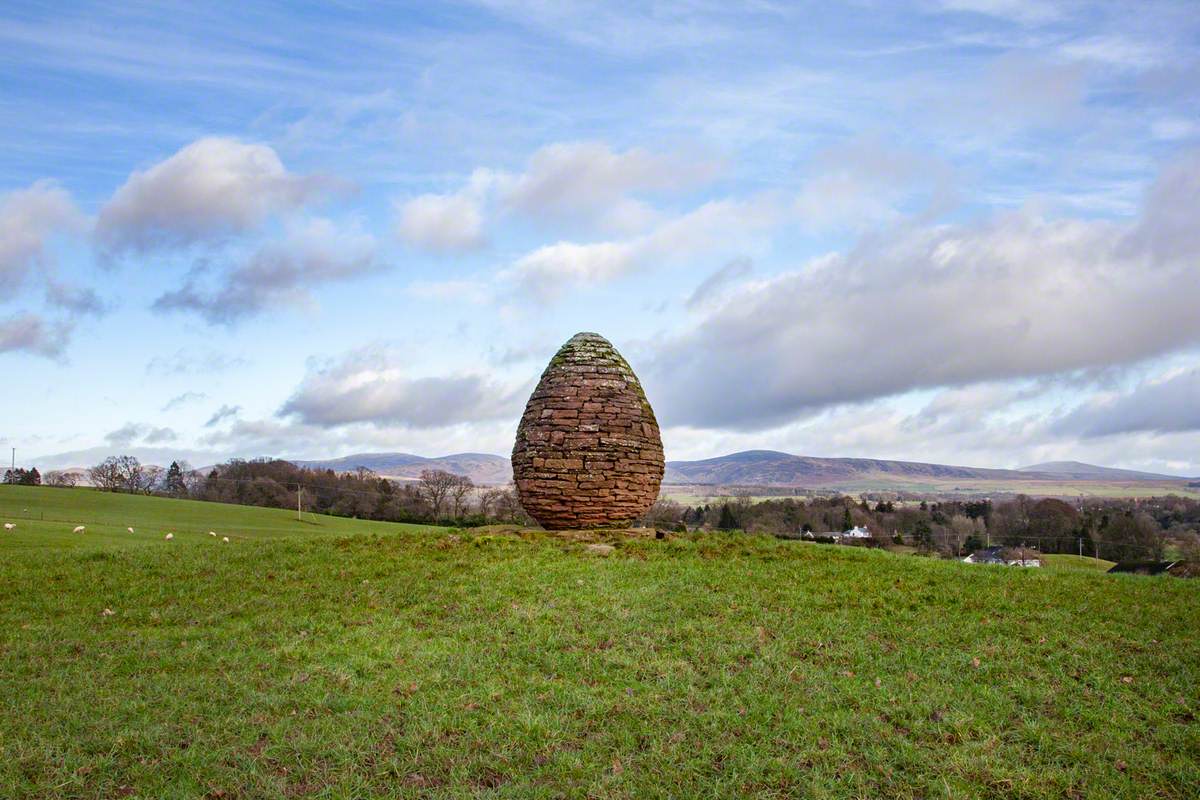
column 212, row 533
column 129, row 529
column 224, row 538
column 8, row 526
column 79, row 529
column 169, row 536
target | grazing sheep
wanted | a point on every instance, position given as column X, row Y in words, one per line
column 169, row 536
column 212, row 533
column 8, row 526
column 224, row 538
column 79, row 529
column 129, row 529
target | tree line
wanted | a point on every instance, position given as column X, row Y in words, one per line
column 1113, row 529
column 437, row 497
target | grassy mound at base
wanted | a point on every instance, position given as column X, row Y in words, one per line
column 449, row 664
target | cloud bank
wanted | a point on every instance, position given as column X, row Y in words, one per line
column 1015, row 295
column 212, row 188
column 369, row 386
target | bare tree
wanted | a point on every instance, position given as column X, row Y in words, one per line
column 151, row 479
column 460, row 490
column 435, row 486
column 961, row 528
column 664, row 514
column 193, row 479
column 61, row 478
column 106, row 475
column 501, row 504
column 130, row 473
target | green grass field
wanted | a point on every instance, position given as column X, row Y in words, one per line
column 1066, row 561
column 46, row 517
column 398, row 662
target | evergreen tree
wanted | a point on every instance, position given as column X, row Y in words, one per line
column 847, row 522
column 727, row 521
column 174, row 483
column 35, row 477
column 923, row 533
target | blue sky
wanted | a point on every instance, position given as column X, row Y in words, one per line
column 960, row 231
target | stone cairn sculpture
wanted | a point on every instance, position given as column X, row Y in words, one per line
column 588, row 452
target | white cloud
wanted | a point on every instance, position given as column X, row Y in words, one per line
column 578, row 182
column 1115, row 51
column 866, row 182
column 715, row 285
column 1024, row 12
column 212, row 188
column 1020, row 90
column 132, row 432
column 313, row 253
column 442, row 223
column 29, row 333
column 221, row 414
column 189, row 362
column 714, row 229
column 1168, row 404
column 183, row 399
column 369, row 385
column 1015, row 296
column 28, row 219
column 79, row 300
column 622, row 28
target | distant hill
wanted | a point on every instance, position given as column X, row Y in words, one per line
column 755, row 468
column 1077, row 470
column 82, row 459
column 747, row 468
column 772, row 468
column 482, row 468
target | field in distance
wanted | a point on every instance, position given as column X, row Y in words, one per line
column 47, row 517
column 430, row 663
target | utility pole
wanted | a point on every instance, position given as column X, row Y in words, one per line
column 299, row 494
column 1081, row 547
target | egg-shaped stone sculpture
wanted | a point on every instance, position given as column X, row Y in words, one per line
column 588, row 452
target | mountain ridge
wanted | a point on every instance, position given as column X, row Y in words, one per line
column 772, row 468
column 1078, row 470
column 481, row 468
column 749, row 468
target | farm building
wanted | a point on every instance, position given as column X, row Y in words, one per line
column 857, row 532
column 1142, row 567
column 1010, row 556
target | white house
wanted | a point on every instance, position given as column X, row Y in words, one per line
column 857, row 532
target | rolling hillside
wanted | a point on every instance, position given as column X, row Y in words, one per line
column 1076, row 470
column 772, row 468
column 45, row 518
column 406, row 662
column 482, row 468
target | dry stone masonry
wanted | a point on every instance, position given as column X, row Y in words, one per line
column 588, row 452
